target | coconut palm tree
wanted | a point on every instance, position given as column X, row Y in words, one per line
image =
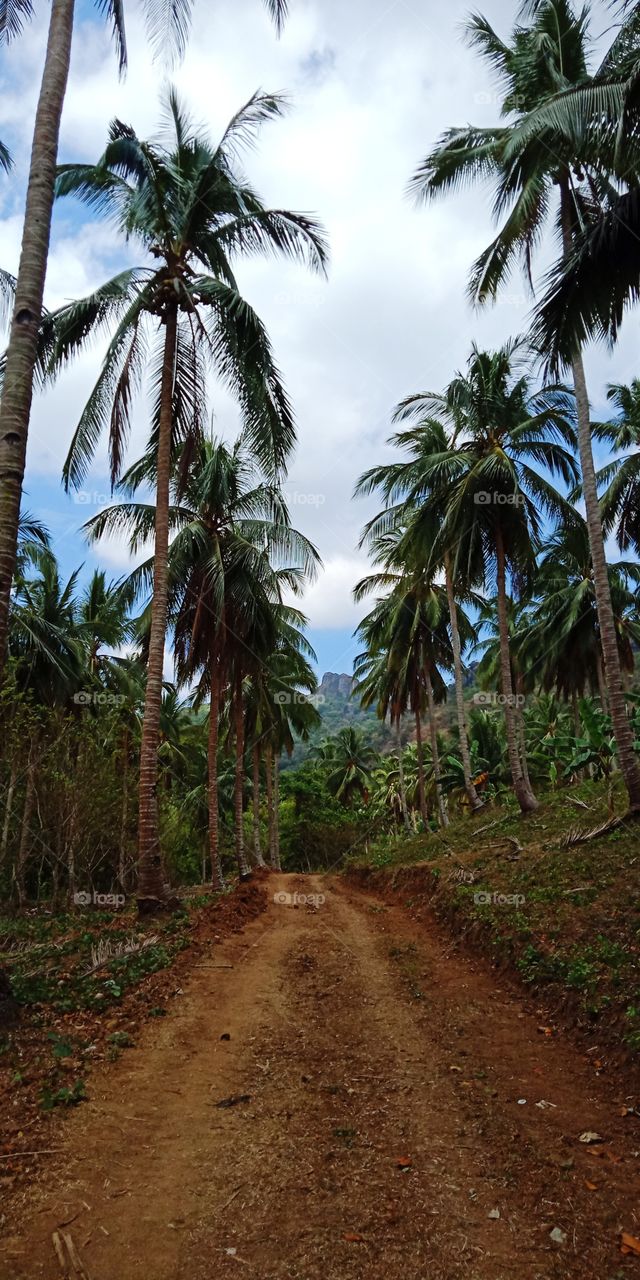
column 168, row 26
column 620, row 501
column 232, row 557
column 376, row 685
column 559, row 644
column 351, row 762
column 488, row 496
column 531, row 163
column 397, row 480
column 291, row 714
column 190, row 213
column 410, row 627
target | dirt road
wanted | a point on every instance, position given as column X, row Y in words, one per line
column 384, row 1132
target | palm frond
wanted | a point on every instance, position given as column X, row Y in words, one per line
column 113, row 10
column 13, row 16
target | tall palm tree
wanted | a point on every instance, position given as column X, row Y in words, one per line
column 279, row 710
column 233, row 555
column 168, row 26
column 559, row 644
column 488, row 496
column 377, row 686
column 190, row 213
column 396, row 480
column 620, row 501
column 531, row 164
column 351, row 762
column 46, row 646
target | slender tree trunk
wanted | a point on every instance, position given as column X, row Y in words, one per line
column 17, row 394
column 435, row 756
column 257, row 847
column 576, row 714
column 152, row 890
column 238, row 714
column 6, row 825
column 422, row 798
column 629, row 764
column 602, row 688
column 217, row 878
column 522, row 743
column 124, row 813
column 524, row 795
column 463, row 731
column 25, row 830
column 276, row 812
column 270, row 809
column 402, row 782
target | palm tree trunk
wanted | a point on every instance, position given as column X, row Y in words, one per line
column 25, row 831
column 523, row 792
column 602, row 687
column 276, row 812
column 435, row 756
column 124, row 812
column 21, row 355
column 6, row 825
column 217, row 878
column 270, row 809
column 522, row 744
column 629, row 765
column 576, row 714
column 257, row 848
column 463, row 731
column 238, row 713
column 422, row 799
column 152, row 889
column 402, row 782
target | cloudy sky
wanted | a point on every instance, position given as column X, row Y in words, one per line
column 372, row 83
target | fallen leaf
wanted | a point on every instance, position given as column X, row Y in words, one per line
column 352, row 1237
column 591, row 1186
column 404, row 1162
column 629, row 1244
column 589, row 1136
column 546, row 1031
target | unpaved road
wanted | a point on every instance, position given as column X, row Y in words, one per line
column 382, row 1137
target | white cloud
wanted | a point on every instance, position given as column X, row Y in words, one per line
column 373, row 84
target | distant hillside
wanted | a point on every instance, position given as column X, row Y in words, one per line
column 338, row 708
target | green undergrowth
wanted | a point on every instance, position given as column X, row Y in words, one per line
column 565, row 919
column 56, row 961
